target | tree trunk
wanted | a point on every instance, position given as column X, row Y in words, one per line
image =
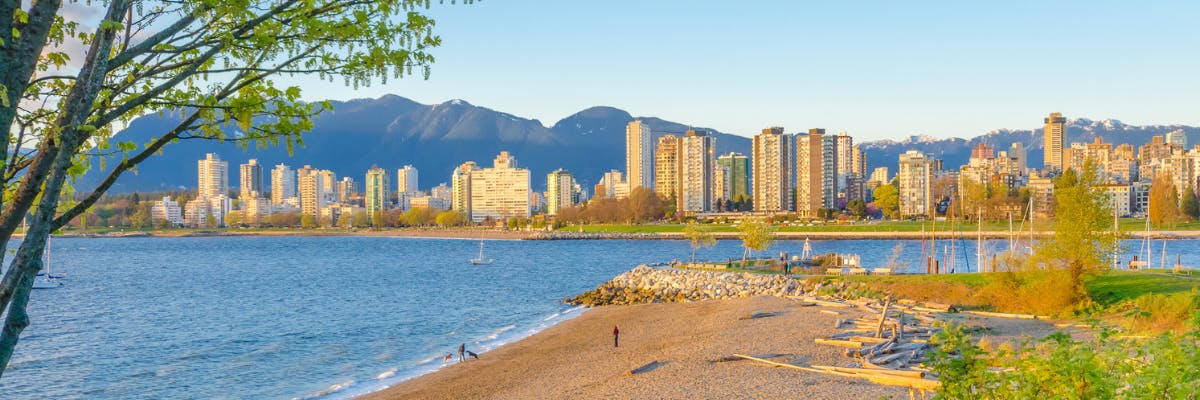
column 77, row 107
column 18, row 319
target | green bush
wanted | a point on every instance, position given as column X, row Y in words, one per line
column 1060, row 367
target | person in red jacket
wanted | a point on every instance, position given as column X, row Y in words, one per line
column 616, row 335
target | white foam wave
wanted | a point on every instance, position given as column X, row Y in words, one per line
column 495, row 334
column 386, row 374
column 334, row 388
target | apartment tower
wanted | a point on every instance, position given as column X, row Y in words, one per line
column 213, row 176
column 283, row 184
column 774, row 159
column 666, row 166
column 696, row 163
column 1056, row 130
column 638, row 155
column 251, row 180
column 376, row 195
column 559, row 185
column 810, row 182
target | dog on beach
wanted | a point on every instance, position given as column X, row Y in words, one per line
column 447, row 358
column 472, row 354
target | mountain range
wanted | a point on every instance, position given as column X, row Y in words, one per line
column 392, row 131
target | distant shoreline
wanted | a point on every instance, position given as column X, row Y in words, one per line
column 477, row 234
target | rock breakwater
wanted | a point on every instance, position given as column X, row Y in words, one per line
column 650, row 285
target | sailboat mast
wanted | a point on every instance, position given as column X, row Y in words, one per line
column 1146, row 243
column 979, row 241
column 1163, row 263
column 1011, row 248
column 1031, row 225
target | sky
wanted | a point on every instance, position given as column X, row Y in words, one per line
column 877, row 70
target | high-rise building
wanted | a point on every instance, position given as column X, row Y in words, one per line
column 1178, row 138
column 774, row 157
column 810, row 172
column 558, row 191
column 738, row 167
column 251, row 180
column 880, row 176
column 460, row 182
column 831, row 186
column 312, row 190
column 696, row 163
column 406, row 180
column 638, row 155
column 666, row 166
column 1055, row 132
column 721, row 189
column 375, row 196
column 213, row 176
column 916, row 183
column 500, row 192
column 844, row 160
column 856, row 188
column 1020, row 161
column 858, row 162
column 329, row 186
column 346, row 190
column 283, row 184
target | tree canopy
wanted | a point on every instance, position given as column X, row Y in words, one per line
column 68, row 84
column 1084, row 241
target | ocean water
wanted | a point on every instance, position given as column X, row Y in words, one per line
column 321, row 317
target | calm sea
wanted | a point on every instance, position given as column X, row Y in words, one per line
column 319, row 317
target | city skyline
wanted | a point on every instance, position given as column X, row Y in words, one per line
column 883, row 70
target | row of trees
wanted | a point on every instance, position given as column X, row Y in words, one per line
column 642, row 205
column 1166, row 207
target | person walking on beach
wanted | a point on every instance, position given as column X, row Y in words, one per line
column 616, row 335
column 462, row 348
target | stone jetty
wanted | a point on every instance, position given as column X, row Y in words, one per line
column 653, row 285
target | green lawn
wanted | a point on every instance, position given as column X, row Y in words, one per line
column 973, row 280
column 1115, row 287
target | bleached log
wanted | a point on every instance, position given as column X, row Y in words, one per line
column 867, row 339
column 916, row 383
column 864, row 371
column 883, row 318
column 1006, row 315
column 841, row 343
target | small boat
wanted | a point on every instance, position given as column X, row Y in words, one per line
column 47, row 280
column 480, row 260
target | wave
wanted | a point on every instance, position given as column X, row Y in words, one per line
column 493, row 340
column 334, row 388
column 495, row 334
column 386, row 374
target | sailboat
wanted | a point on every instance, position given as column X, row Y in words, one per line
column 46, row 280
column 480, row 260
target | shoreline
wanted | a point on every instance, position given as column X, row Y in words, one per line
column 676, row 348
column 576, row 358
column 431, row 365
column 481, row 234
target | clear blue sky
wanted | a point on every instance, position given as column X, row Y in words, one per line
column 883, row 69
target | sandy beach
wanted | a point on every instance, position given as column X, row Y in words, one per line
column 576, row 359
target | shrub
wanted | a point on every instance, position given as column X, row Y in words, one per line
column 1158, row 313
column 1059, row 367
